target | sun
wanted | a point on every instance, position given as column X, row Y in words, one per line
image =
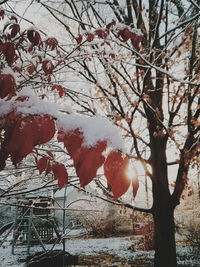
column 131, row 172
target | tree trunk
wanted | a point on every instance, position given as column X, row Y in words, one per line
column 165, row 247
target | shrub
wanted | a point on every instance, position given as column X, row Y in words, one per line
column 193, row 237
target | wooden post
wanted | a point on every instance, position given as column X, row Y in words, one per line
column 14, row 230
column 29, row 231
column 64, row 214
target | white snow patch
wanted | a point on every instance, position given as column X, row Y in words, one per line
column 94, row 128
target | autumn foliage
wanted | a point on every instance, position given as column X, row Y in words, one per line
column 22, row 131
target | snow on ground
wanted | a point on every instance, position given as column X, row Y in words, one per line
column 119, row 246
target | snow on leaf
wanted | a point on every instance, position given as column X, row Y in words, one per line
column 60, row 174
column 115, row 170
column 93, row 129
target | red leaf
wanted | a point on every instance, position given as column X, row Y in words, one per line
column 87, row 161
column 31, row 69
column 33, row 37
column 50, row 154
column 2, row 13
column 72, row 141
column 15, row 28
column 51, row 43
column 23, row 134
column 7, row 85
column 90, row 37
column 136, row 39
column 47, row 67
column 59, row 88
column 112, row 55
column 42, row 164
column 109, row 25
column 125, row 34
column 49, row 78
column 79, row 39
column 115, row 170
column 45, row 128
column 101, row 33
column 60, row 173
column 15, row 136
column 9, row 52
column 14, row 18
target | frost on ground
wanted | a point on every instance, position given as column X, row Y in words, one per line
column 119, row 246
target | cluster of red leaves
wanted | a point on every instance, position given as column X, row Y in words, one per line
column 51, row 43
column 9, row 46
column 59, row 89
column 126, row 34
column 22, row 134
column 46, row 164
column 87, row 160
column 101, row 33
column 14, row 29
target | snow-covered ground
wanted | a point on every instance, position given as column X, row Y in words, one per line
column 117, row 246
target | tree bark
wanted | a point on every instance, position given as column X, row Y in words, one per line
column 165, row 247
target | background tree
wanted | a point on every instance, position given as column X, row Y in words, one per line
column 138, row 63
